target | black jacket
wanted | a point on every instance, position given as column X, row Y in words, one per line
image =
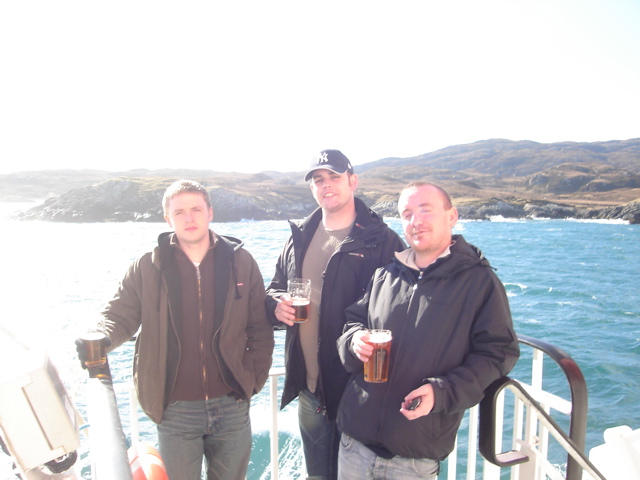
column 371, row 244
column 452, row 327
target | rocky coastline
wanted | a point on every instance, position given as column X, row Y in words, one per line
column 486, row 179
column 127, row 200
column 500, row 209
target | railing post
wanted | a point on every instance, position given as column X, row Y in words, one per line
column 108, row 445
column 274, row 374
column 473, row 443
column 273, row 383
column 133, row 413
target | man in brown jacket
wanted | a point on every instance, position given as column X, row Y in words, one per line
column 204, row 345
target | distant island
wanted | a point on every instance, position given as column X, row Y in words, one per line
column 512, row 179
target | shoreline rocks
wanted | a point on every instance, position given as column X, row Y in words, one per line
column 499, row 208
column 127, row 200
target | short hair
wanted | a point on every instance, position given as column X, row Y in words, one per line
column 446, row 199
column 183, row 186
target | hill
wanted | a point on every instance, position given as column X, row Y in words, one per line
column 587, row 174
column 490, row 177
column 507, row 158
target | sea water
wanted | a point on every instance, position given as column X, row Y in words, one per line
column 575, row 284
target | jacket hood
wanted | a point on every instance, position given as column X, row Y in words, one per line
column 468, row 256
column 367, row 221
column 233, row 242
column 164, row 242
column 368, row 230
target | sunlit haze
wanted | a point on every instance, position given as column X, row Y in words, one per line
column 253, row 86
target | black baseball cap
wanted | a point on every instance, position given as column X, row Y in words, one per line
column 333, row 160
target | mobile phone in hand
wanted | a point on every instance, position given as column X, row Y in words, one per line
column 413, row 404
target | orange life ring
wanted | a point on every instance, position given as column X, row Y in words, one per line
column 146, row 463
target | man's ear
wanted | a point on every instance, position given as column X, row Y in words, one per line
column 353, row 180
column 454, row 216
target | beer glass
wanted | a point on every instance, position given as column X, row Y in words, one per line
column 376, row 370
column 96, row 350
column 299, row 290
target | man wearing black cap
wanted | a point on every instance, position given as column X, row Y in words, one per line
column 338, row 247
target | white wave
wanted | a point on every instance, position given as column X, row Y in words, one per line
column 290, row 462
column 583, row 220
column 617, row 221
column 514, row 289
column 500, row 218
column 287, row 419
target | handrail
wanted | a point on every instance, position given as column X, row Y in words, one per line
column 513, row 457
column 487, row 428
column 577, row 386
column 578, row 414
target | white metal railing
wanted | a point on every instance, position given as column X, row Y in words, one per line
column 535, row 436
column 274, row 374
column 538, row 466
column 277, row 372
column 532, row 423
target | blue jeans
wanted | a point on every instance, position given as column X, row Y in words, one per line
column 320, row 438
column 218, row 430
column 357, row 462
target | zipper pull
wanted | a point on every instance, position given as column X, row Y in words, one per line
column 415, row 285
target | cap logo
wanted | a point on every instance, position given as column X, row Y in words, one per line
column 323, row 158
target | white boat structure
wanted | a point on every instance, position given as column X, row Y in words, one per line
column 516, row 428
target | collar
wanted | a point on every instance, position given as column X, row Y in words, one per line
column 408, row 257
column 213, row 240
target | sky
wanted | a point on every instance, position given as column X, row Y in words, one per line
column 251, row 86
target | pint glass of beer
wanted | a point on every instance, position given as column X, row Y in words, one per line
column 96, row 350
column 299, row 290
column 376, row 370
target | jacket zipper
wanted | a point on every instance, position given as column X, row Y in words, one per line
column 201, row 327
column 414, row 287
